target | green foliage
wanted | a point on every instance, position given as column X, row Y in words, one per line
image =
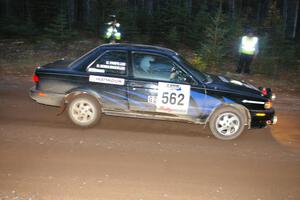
column 198, row 62
column 180, row 19
column 128, row 22
column 60, row 29
column 170, row 22
column 234, row 31
column 197, row 27
column 173, row 37
column 213, row 47
column 276, row 51
column 11, row 27
column 211, row 28
column 273, row 26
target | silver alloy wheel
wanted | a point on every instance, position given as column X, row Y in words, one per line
column 227, row 124
column 83, row 111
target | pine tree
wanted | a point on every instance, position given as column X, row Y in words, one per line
column 173, row 37
column 213, row 48
column 275, row 50
column 196, row 29
column 59, row 29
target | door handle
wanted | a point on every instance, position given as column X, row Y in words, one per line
column 134, row 85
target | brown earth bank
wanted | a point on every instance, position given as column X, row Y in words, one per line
column 43, row 156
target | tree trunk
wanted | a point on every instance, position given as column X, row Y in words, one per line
column 28, row 12
column 232, row 8
column 7, row 8
column 149, row 7
column 71, row 12
column 87, row 11
column 285, row 10
column 189, row 6
column 296, row 20
column 258, row 13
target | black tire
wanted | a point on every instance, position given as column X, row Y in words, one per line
column 227, row 123
column 84, row 111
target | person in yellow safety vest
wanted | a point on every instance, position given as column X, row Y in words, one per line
column 112, row 32
column 248, row 51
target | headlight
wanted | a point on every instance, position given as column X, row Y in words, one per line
column 268, row 105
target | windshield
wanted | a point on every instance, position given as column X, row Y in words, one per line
column 199, row 75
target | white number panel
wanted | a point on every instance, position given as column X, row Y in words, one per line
column 173, row 98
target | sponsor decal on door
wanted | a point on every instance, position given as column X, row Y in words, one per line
column 107, row 80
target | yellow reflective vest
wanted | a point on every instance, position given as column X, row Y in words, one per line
column 249, row 45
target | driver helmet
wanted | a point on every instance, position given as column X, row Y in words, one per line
column 145, row 63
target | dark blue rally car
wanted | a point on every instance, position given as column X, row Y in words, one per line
column 150, row 82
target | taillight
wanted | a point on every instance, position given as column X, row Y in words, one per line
column 35, row 78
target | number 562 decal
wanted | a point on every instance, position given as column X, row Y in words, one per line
column 173, row 98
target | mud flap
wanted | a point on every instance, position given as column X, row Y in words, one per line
column 62, row 109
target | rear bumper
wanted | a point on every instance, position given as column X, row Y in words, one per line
column 47, row 98
column 262, row 118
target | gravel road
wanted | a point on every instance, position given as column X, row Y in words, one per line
column 43, row 156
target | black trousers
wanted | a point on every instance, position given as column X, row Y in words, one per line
column 244, row 63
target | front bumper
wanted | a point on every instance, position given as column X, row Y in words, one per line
column 47, row 98
column 262, row 118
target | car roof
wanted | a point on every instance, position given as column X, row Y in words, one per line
column 139, row 47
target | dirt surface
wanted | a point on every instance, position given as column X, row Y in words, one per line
column 43, row 156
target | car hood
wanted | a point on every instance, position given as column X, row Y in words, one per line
column 231, row 85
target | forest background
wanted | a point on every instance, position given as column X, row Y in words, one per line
column 206, row 31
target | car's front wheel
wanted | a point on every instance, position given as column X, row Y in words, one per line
column 84, row 111
column 227, row 123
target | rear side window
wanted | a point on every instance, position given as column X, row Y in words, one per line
column 111, row 62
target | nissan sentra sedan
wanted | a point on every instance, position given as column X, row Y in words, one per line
column 151, row 82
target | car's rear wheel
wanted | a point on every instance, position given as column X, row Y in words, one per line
column 227, row 123
column 84, row 111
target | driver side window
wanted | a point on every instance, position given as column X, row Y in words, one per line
column 159, row 68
